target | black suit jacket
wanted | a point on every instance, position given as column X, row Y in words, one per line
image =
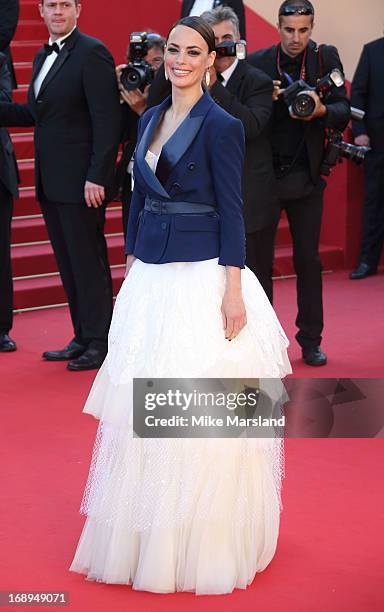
column 9, row 176
column 248, row 96
column 9, row 16
column 338, row 109
column 76, row 117
column 367, row 93
column 237, row 6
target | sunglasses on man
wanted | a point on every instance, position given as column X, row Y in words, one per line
column 295, row 10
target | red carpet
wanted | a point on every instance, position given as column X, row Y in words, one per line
column 329, row 555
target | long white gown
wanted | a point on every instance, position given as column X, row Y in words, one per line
column 169, row 515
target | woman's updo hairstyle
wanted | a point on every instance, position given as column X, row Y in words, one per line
column 199, row 25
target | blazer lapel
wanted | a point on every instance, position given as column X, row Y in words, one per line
column 37, row 64
column 182, row 138
column 236, row 77
column 149, row 177
column 61, row 58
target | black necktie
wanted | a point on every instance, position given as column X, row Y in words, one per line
column 220, row 77
column 51, row 48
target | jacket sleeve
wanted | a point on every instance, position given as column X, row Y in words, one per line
column 137, row 205
column 8, row 22
column 227, row 169
column 359, row 91
column 102, row 95
column 5, row 81
column 337, row 104
column 15, row 115
column 255, row 109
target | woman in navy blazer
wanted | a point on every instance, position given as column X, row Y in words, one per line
column 181, row 514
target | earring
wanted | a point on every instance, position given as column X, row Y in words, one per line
column 166, row 74
column 207, row 78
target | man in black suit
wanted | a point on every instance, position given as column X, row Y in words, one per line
column 8, row 190
column 197, row 7
column 298, row 150
column 246, row 93
column 9, row 16
column 73, row 101
column 367, row 93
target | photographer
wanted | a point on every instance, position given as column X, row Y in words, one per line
column 134, row 103
column 367, row 93
column 298, row 151
column 245, row 92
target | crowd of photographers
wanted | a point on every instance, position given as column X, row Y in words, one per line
column 294, row 106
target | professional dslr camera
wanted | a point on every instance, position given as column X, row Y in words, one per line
column 303, row 105
column 231, row 48
column 336, row 149
column 138, row 73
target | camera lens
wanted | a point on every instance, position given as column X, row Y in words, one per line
column 303, row 105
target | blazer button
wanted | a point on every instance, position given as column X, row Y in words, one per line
column 176, row 187
column 163, row 226
column 191, row 166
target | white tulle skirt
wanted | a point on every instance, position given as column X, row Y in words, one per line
column 169, row 515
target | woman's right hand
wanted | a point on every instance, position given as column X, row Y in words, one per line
column 130, row 260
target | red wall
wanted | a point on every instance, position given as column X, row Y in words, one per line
column 113, row 20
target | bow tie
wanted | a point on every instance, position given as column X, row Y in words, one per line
column 51, row 48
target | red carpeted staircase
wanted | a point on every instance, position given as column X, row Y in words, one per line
column 36, row 279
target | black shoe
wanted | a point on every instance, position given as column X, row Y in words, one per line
column 314, row 356
column 71, row 351
column 362, row 271
column 91, row 359
column 7, row 345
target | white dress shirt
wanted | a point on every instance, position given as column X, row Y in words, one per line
column 200, row 6
column 48, row 63
column 226, row 74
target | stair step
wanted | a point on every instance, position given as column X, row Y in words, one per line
column 283, row 235
column 31, row 29
column 27, row 173
column 46, row 291
column 332, row 258
column 20, row 94
column 23, row 71
column 26, row 204
column 23, row 145
column 39, row 259
column 25, row 50
column 29, row 10
column 34, row 230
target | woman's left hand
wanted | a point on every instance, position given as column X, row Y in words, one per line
column 233, row 313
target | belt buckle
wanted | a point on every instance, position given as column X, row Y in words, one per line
column 156, row 207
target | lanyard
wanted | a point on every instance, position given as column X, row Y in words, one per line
column 303, row 70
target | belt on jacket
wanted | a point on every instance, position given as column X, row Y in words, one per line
column 172, row 208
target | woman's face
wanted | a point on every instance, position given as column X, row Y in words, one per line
column 186, row 57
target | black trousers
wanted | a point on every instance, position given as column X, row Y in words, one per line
column 373, row 214
column 6, row 284
column 77, row 236
column 304, row 217
column 259, row 256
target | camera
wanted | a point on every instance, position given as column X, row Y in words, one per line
column 138, row 73
column 336, row 149
column 303, row 105
column 231, row 48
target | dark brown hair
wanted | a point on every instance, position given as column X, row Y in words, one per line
column 199, row 25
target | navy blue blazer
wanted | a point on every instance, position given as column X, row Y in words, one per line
column 202, row 162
